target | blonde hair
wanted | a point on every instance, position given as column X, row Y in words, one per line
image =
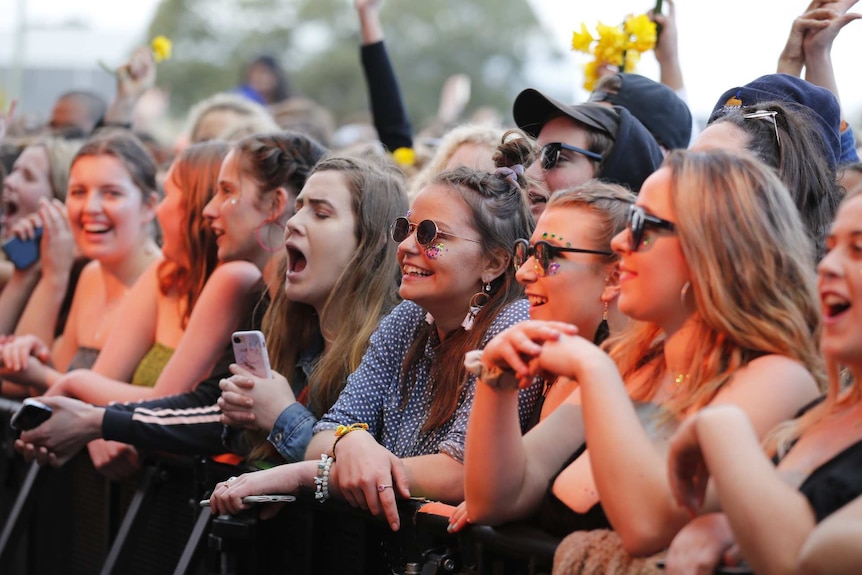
column 480, row 136
column 751, row 276
column 60, row 153
column 608, row 202
column 252, row 117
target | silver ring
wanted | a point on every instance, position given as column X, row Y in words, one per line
column 381, row 488
column 228, row 480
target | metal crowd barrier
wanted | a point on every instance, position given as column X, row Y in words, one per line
column 71, row 520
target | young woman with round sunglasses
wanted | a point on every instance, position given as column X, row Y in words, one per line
column 407, row 405
column 772, row 501
column 717, row 280
column 563, row 283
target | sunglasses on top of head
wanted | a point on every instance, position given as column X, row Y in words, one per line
column 545, row 253
column 550, row 155
column 426, row 232
column 639, row 221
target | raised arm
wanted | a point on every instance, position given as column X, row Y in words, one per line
column 57, row 252
column 667, row 49
column 387, row 105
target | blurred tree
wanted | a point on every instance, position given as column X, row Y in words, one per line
column 317, row 43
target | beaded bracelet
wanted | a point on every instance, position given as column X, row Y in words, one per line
column 321, row 481
column 343, row 430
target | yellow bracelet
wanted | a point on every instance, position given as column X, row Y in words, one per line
column 343, row 430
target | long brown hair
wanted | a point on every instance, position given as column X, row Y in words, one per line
column 365, row 291
column 500, row 215
column 751, row 275
column 195, row 172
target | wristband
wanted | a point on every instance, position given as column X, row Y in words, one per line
column 492, row 376
column 343, row 430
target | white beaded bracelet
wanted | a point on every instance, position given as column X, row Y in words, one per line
column 321, row 481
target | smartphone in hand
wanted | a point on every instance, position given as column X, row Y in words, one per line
column 23, row 253
column 30, row 415
column 249, row 351
column 254, row 499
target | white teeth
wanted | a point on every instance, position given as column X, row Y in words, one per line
column 414, row 271
column 834, row 300
column 536, row 300
column 96, row 228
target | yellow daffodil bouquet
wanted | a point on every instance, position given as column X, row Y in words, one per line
column 619, row 46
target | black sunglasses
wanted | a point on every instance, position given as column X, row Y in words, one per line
column 551, row 154
column 426, row 232
column 639, row 221
column 544, row 253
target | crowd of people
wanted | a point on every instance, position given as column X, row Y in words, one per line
column 605, row 321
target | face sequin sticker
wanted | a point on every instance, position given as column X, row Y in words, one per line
column 434, row 251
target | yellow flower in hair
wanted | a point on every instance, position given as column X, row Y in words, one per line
column 642, row 31
column 161, row 48
column 581, row 40
column 404, row 156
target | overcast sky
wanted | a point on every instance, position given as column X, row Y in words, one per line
column 722, row 44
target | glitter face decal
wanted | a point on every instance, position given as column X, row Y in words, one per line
column 434, row 251
column 553, row 269
column 547, row 236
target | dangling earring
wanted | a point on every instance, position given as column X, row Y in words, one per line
column 262, row 245
column 478, row 300
column 684, row 292
column 603, row 331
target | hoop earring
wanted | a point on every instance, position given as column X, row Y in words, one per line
column 478, row 300
column 262, row 245
column 683, row 293
column 603, row 331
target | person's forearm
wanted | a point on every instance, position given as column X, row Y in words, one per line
column 320, row 443
column 43, row 308
column 770, row 519
column 369, row 25
column 671, row 74
column 13, row 299
column 494, row 462
column 629, row 470
column 819, row 71
column 437, row 477
column 833, row 547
